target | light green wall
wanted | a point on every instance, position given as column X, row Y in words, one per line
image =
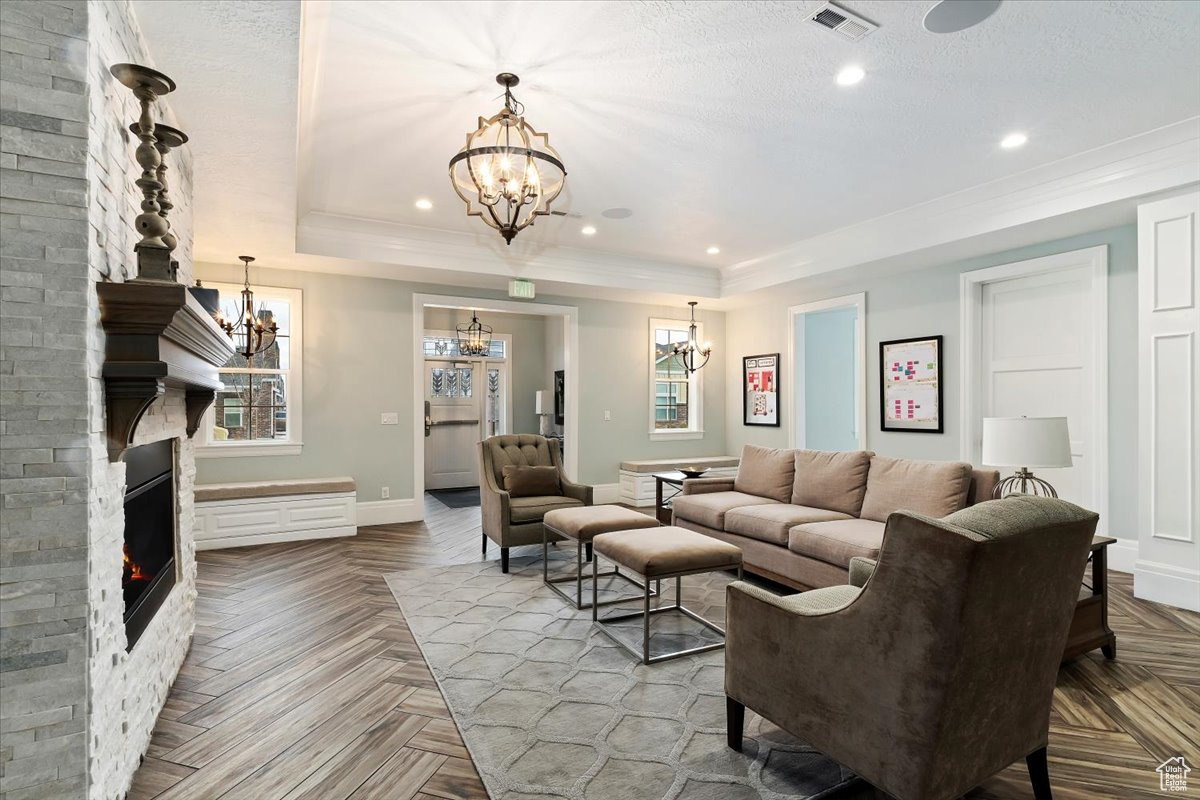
column 926, row 303
column 358, row 363
column 527, row 359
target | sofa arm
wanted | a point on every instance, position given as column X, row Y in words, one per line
column 861, row 570
column 578, row 491
column 707, row 485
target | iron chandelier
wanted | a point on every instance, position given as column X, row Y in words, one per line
column 507, row 173
column 258, row 336
column 692, row 351
column 474, row 339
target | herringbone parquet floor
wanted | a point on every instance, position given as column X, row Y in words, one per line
column 303, row 682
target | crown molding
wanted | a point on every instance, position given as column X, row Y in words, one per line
column 1156, row 161
column 323, row 234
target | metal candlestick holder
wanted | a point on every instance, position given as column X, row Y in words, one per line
column 153, row 252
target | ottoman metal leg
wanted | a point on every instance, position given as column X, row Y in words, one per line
column 647, row 612
column 577, row 578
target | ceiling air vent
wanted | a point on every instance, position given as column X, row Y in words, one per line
column 842, row 22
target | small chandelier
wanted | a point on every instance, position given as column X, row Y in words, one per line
column 474, row 339
column 692, row 351
column 258, row 337
column 507, row 173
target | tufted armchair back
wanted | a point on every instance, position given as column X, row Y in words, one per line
column 521, row 449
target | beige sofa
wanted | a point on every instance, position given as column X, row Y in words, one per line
column 801, row 515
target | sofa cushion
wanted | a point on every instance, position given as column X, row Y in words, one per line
column 525, row 481
column 932, row 488
column 837, row 542
column 709, row 509
column 532, row 509
column 766, row 472
column 831, row 479
column 771, row 523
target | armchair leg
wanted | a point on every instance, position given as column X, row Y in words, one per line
column 485, row 544
column 735, row 719
column 504, row 560
column 1039, row 774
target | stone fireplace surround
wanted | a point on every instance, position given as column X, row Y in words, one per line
column 76, row 709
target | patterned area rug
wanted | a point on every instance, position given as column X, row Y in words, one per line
column 549, row 708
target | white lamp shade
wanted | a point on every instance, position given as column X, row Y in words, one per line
column 540, row 404
column 1026, row 442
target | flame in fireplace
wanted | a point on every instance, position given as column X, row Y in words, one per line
column 133, row 572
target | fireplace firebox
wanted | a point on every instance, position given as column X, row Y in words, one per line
column 150, row 536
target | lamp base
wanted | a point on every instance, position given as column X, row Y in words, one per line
column 1023, row 482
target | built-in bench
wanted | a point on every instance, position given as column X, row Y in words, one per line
column 636, row 487
column 260, row 512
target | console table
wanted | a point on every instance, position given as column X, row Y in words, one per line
column 662, row 505
column 1089, row 627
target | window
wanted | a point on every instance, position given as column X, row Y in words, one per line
column 674, row 394
column 258, row 410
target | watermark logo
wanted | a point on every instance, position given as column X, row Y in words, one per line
column 1172, row 775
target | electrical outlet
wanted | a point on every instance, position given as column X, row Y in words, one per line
column 386, row 492
column 389, row 418
column 607, row 415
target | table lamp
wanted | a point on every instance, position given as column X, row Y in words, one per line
column 1025, row 442
column 541, row 407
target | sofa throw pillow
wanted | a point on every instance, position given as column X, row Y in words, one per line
column 932, row 488
column 522, row 481
column 832, row 480
column 766, row 472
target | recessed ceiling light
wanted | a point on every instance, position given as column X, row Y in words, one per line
column 850, row 75
column 424, row 204
column 713, row 250
column 588, row 230
column 1013, row 140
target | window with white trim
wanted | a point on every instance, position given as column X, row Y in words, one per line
column 258, row 410
column 674, row 394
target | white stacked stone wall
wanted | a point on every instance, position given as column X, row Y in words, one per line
column 126, row 691
column 76, row 711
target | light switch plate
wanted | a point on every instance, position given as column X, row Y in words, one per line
column 389, row 418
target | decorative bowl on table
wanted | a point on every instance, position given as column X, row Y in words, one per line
column 693, row 472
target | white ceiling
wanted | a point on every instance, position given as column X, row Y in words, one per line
column 715, row 123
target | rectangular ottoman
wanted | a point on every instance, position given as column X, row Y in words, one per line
column 658, row 554
column 581, row 525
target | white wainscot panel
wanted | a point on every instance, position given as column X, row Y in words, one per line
column 260, row 520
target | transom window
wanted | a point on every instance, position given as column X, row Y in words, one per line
column 258, row 410
column 674, row 394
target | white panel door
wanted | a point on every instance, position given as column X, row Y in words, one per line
column 1168, row 564
column 1037, row 361
column 454, row 395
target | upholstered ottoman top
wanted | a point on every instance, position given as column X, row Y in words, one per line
column 667, row 551
column 585, row 522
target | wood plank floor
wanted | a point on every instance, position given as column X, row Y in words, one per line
column 304, row 682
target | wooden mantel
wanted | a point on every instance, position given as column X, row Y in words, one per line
column 158, row 336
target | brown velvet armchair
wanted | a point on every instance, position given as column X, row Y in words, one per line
column 515, row 521
column 937, row 669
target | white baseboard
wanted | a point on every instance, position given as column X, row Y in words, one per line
column 1122, row 555
column 1163, row 583
column 386, row 512
column 604, row 493
column 274, row 538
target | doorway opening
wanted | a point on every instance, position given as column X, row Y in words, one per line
column 827, row 344
column 462, row 399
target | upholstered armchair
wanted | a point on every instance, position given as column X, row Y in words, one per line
column 935, row 667
column 515, row 521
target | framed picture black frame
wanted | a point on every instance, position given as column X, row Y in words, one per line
column 560, row 395
column 766, row 417
column 914, row 386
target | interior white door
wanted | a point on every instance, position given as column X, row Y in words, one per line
column 1037, row 361
column 453, row 394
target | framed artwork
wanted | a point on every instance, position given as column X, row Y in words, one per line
column 910, row 385
column 760, row 390
column 560, row 394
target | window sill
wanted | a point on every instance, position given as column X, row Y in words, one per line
column 675, row 436
column 248, row 450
